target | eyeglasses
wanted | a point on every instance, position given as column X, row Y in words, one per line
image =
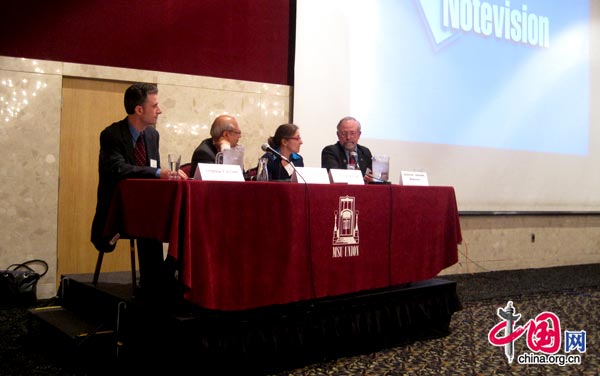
column 348, row 134
column 297, row 138
column 235, row 131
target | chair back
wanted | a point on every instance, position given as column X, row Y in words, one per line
column 186, row 167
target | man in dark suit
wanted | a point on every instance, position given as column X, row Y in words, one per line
column 347, row 153
column 129, row 149
column 225, row 133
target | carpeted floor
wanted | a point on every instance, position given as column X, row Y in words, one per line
column 466, row 351
column 572, row 293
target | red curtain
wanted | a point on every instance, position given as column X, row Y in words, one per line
column 237, row 39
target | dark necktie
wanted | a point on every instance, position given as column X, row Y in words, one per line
column 140, row 151
column 352, row 162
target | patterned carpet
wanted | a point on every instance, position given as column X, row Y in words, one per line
column 571, row 293
column 466, row 351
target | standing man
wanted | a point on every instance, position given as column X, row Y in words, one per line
column 129, row 149
column 225, row 133
column 347, row 153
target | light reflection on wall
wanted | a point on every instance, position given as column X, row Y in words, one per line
column 181, row 128
column 15, row 96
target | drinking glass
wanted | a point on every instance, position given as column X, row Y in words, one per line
column 174, row 162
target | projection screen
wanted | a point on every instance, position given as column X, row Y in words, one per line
column 494, row 98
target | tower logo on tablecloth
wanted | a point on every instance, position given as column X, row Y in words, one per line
column 345, row 229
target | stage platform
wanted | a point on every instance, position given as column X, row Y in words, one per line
column 109, row 328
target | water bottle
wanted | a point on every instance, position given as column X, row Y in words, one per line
column 262, row 174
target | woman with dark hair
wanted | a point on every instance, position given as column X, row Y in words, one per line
column 286, row 142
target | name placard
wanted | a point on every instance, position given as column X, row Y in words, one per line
column 353, row 177
column 218, row 172
column 310, row 175
column 413, row 178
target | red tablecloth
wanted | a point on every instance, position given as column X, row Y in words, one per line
column 251, row 244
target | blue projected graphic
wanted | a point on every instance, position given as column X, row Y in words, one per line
column 500, row 74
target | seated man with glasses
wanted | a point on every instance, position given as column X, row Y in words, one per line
column 347, row 153
column 225, row 134
column 286, row 141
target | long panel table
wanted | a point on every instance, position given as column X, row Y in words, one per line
column 253, row 244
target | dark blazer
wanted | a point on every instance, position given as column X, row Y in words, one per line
column 276, row 170
column 334, row 156
column 116, row 162
column 206, row 152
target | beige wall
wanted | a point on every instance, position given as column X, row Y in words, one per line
column 505, row 242
column 30, row 139
column 29, row 152
column 29, row 148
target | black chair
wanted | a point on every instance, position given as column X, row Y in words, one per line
column 133, row 271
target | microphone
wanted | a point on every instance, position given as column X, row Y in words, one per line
column 267, row 147
column 355, row 155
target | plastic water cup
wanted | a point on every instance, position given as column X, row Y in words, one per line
column 381, row 167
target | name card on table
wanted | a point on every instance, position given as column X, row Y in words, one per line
column 353, row 177
column 218, row 172
column 310, row 175
column 413, row 178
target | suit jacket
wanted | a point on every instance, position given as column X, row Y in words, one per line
column 334, row 156
column 116, row 162
column 206, row 152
